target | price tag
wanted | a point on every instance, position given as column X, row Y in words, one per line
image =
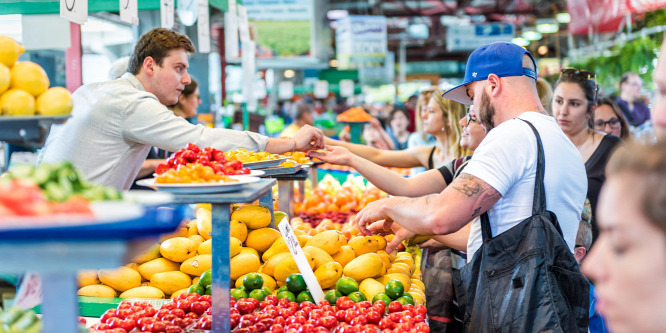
column 321, row 89
column 74, row 10
column 203, row 27
column 231, row 31
column 243, row 25
column 129, row 11
column 286, row 90
column 346, row 88
column 301, row 261
column 166, row 13
column 29, row 294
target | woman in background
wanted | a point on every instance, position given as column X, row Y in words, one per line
column 608, row 118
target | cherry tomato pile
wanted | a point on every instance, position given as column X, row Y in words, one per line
column 187, row 310
column 316, row 218
column 208, row 156
column 273, row 315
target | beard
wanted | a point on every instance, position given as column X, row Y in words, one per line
column 486, row 112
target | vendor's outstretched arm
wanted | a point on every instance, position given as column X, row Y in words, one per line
column 407, row 158
column 307, row 138
column 386, row 180
column 466, row 198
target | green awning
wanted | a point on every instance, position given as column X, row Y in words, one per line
column 53, row 7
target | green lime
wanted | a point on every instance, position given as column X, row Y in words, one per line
column 258, row 294
column 346, row 285
column 406, row 294
column 357, row 296
column 253, row 281
column 394, row 289
column 304, row 296
column 238, row 294
column 209, row 290
column 242, row 287
column 382, row 297
column 197, row 288
column 267, row 290
column 205, row 278
column 288, row 295
column 404, row 300
column 281, row 289
column 295, row 283
column 332, row 295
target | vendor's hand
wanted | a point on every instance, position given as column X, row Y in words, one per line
column 373, row 211
column 308, row 138
column 400, row 233
column 334, row 155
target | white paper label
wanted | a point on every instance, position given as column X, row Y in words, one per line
column 166, row 13
column 346, row 88
column 203, row 27
column 74, row 10
column 321, row 89
column 243, row 25
column 248, row 65
column 29, row 294
column 231, row 31
column 129, row 11
column 301, row 261
column 286, row 90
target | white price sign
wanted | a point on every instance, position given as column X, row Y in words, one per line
column 74, row 10
column 286, row 90
column 321, row 89
column 166, row 13
column 243, row 25
column 301, row 261
column 203, row 27
column 129, row 11
column 231, row 31
column 346, row 88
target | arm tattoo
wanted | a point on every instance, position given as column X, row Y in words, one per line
column 476, row 211
column 467, row 190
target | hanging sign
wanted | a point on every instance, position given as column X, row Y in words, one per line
column 74, row 10
column 471, row 37
column 129, row 11
column 321, row 89
column 346, row 88
column 243, row 26
column 166, row 14
column 231, row 32
column 249, row 67
column 301, row 261
column 286, row 90
column 361, row 41
column 203, row 27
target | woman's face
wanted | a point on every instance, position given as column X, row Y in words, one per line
column 189, row 103
column 628, row 261
column 605, row 120
column 633, row 86
column 472, row 133
column 570, row 108
column 433, row 121
column 399, row 122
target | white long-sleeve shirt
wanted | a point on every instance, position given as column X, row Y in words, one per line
column 114, row 124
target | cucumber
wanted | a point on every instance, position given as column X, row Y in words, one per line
column 55, row 192
column 22, row 171
column 10, row 316
column 43, row 174
column 27, row 319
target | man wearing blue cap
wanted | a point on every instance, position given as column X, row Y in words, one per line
column 500, row 83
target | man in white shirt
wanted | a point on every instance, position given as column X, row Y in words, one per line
column 114, row 123
column 500, row 83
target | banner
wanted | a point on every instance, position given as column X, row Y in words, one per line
column 585, row 14
column 361, row 41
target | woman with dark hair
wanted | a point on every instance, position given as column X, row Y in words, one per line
column 574, row 101
column 398, row 123
column 608, row 118
column 188, row 101
column 628, row 263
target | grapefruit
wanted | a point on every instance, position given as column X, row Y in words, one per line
column 55, row 101
column 17, row 102
column 5, row 78
column 10, row 50
column 28, row 76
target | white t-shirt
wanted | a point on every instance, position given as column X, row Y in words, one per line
column 506, row 159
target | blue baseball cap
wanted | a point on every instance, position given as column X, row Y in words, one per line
column 501, row 58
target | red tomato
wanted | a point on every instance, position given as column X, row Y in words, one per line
column 307, row 328
column 128, row 324
column 188, row 321
column 379, row 306
column 260, row 327
column 114, row 322
column 419, row 318
column 386, row 323
column 178, row 313
column 200, row 307
column 280, row 320
column 169, row 317
column 157, row 326
column 395, row 317
column 407, row 320
column 170, row 305
column 364, row 304
column 420, row 309
column 395, row 307
column 173, row 329
column 422, row 327
column 369, row 329
column 359, row 320
column 328, row 322
column 192, row 315
column 340, row 315
column 408, row 307
column 373, row 316
column 145, row 321
column 208, row 299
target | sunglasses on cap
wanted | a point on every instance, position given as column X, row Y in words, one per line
column 587, row 75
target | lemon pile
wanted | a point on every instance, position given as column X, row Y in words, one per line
column 24, row 86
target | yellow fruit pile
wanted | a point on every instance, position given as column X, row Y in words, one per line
column 24, row 86
column 245, row 156
column 192, row 173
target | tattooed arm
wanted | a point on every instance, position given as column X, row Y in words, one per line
column 466, row 198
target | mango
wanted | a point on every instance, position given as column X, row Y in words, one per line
column 364, row 266
column 287, row 266
column 303, row 239
column 235, row 246
column 143, row 292
column 419, row 284
column 250, row 251
column 299, row 232
column 178, row 249
column 409, row 262
column 254, row 216
column 344, row 255
column 158, row 265
column 179, row 232
column 320, row 256
column 328, row 274
column 238, row 229
column 149, row 254
column 170, row 282
column 133, row 266
column 370, row 287
column 87, row 278
column 262, row 239
column 367, row 244
column 400, row 267
column 269, row 266
column 97, row 290
column 279, row 215
column 204, row 222
column 197, row 239
column 405, row 280
column 197, row 264
column 329, row 241
column 279, row 246
column 268, row 281
column 196, row 279
column 192, row 228
column 206, row 247
column 385, row 258
column 121, row 279
column 242, row 264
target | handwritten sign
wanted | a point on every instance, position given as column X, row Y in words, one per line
column 74, row 10
column 29, row 294
column 166, row 14
column 203, row 27
column 301, row 261
column 129, row 11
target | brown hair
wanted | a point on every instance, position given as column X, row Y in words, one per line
column 545, row 92
column 156, row 43
column 190, row 88
column 422, row 101
column 589, row 87
column 452, row 112
column 624, row 126
column 647, row 163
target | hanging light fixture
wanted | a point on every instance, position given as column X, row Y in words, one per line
column 520, row 41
